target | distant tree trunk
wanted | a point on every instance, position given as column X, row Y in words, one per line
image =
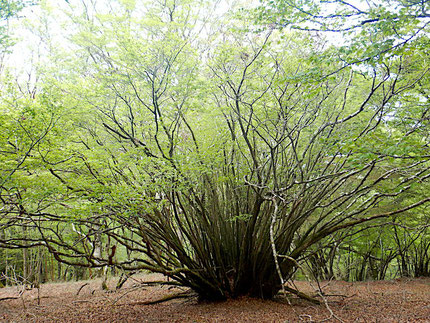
column 25, row 270
column 59, row 271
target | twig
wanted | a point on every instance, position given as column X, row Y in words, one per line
column 126, row 293
column 80, row 288
column 339, row 295
column 11, row 297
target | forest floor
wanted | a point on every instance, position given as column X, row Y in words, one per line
column 402, row 300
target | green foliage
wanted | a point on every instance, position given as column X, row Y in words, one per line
column 371, row 32
column 9, row 9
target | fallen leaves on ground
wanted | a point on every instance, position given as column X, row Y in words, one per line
column 402, row 300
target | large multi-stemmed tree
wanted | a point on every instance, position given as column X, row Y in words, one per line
column 216, row 154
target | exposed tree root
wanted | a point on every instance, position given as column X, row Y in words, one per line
column 302, row 295
column 160, row 282
column 186, row 294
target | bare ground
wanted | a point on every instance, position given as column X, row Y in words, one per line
column 404, row 300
